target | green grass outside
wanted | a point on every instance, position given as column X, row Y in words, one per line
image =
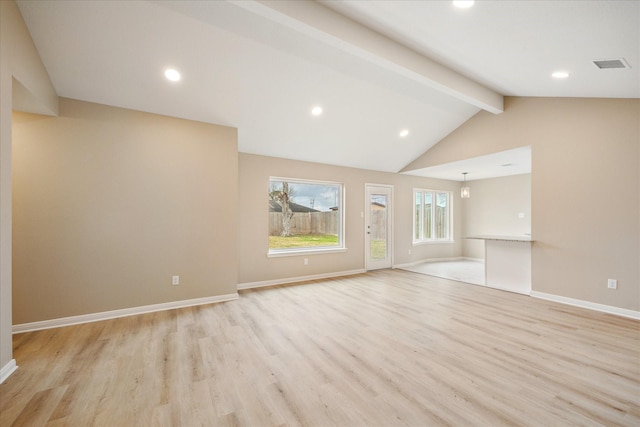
column 302, row 241
column 378, row 249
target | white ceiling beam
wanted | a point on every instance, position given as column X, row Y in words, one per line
column 321, row 23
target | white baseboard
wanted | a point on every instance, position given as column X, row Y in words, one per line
column 588, row 304
column 95, row 317
column 7, row 370
column 261, row 284
column 422, row 261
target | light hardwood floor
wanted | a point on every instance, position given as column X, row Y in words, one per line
column 388, row 348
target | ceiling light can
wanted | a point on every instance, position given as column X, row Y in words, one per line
column 316, row 111
column 463, row 4
column 172, row 74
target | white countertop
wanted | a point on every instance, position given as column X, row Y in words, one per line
column 502, row 238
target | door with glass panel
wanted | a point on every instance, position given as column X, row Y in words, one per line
column 378, row 226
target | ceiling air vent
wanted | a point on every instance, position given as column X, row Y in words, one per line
column 611, row 63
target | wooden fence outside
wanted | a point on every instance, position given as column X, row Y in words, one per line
column 306, row 223
column 324, row 223
column 378, row 228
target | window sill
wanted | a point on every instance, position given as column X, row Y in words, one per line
column 299, row 252
column 432, row 242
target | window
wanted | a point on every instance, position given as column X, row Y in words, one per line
column 432, row 216
column 305, row 216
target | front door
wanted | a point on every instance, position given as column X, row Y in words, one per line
column 378, row 226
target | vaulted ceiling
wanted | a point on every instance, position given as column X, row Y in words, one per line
column 375, row 67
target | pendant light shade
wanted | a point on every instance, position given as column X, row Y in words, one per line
column 465, row 193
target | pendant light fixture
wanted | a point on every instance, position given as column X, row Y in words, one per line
column 465, row 193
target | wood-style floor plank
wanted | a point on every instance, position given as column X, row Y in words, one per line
column 387, row 348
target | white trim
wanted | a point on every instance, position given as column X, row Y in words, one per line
column 276, row 253
column 304, row 181
column 342, row 209
column 7, row 370
column 369, row 264
column 450, row 219
column 431, row 242
column 263, row 283
column 422, row 261
column 587, row 304
column 132, row 311
column 390, row 186
column 504, row 288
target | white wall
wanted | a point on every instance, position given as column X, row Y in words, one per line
column 494, row 208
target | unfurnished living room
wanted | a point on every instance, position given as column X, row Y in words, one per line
column 319, row 213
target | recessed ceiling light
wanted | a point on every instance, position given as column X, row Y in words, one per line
column 463, row 4
column 404, row 133
column 172, row 74
column 560, row 75
column 316, row 111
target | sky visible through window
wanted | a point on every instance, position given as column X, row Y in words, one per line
column 317, row 196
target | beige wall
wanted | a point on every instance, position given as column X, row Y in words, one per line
column 110, row 203
column 20, row 67
column 493, row 208
column 254, row 266
column 585, row 189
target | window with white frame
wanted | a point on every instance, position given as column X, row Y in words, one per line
column 432, row 216
column 305, row 216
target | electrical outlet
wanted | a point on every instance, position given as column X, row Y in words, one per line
column 306, row 261
column 612, row 284
column 409, row 251
column 175, row 280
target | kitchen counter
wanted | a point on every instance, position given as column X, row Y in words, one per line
column 502, row 238
column 507, row 262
